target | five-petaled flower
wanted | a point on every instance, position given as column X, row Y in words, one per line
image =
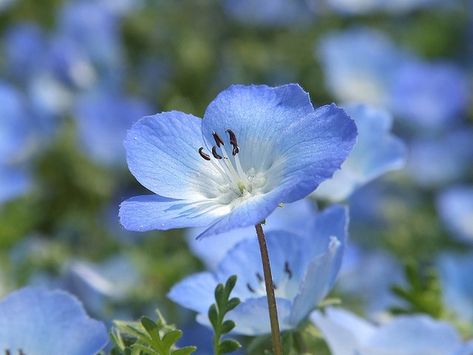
column 255, row 148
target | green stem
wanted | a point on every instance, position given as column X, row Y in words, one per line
column 268, row 280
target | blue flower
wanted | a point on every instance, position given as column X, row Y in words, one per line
column 359, row 65
column 429, row 96
column 103, row 119
column 457, row 284
column 304, row 270
column 270, row 13
column 375, row 153
column 255, row 148
column 14, row 137
column 347, row 334
column 360, row 7
column 451, row 151
column 41, row 322
column 455, row 206
column 293, row 217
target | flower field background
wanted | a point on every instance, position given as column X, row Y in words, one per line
column 385, row 246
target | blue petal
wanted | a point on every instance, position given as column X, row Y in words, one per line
column 103, row 119
column 150, row 212
column 327, row 244
column 375, row 153
column 420, row 335
column 455, row 206
column 293, row 217
column 41, row 322
column 162, row 153
column 343, row 331
column 195, row 292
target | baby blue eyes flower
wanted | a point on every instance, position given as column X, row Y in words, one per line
column 347, row 334
column 255, row 148
column 293, row 217
column 455, row 206
column 360, row 7
column 375, row 153
column 41, row 322
column 304, row 270
column 457, row 284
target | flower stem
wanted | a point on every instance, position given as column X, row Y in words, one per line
column 268, row 279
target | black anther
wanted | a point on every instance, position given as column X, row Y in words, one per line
column 287, row 270
column 215, row 154
column 204, row 155
column 217, row 139
column 259, row 277
column 233, row 141
column 251, row 289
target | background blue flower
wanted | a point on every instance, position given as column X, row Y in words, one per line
column 304, row 270
column 55, row 323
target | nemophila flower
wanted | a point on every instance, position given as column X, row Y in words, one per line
column 35, row 321
column 348, row 334
column 359, row 65
column 366, row 277
column 429, row 96
column 457, row 284
column 255, row 148
column 103, row 119
column 452, row 151
column 270, row 13
column 455, row 206
column 296, row 217
column 376, row 152
column 101, row 285
column 24, row 47
column 14, row 138
column 304, row 270
column 360, row 7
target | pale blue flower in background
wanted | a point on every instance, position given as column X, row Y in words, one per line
column 14, row 143
column 455, row 207
column 429, row 96
column 348, row 334
column 102, row 284
column 359, row 65
column 271, row 12
column 304, row 270
column 376, row 152
column 361, row 7
column 367, row 276
column 294, row 217
column 41, row 322
column 439, row 160
column 456, row 277
column 255, row 148
column 103, row 118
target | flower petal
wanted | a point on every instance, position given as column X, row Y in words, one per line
column 343, row 331
column 375, row 153
column 162, row 153
column 41, row 322
column 314, row 148
column 195, row 292
column 150, row 212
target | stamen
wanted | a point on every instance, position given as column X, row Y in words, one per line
column 233, row 142
column 259, row 277
column 251, row 289
column 7, row 352
column 215, row 154
column 217, row 139
column 287, row 270
column 204, row 155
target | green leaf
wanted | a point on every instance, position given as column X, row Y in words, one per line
column 228, row 346
column 148, row 324
column 220, row 296
column 227, row 326
column 184, row 351
column 171, row 338
column 213, row 316
column 233, row 303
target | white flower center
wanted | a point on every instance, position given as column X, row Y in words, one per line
column 231, row 183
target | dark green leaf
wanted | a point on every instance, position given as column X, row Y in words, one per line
column 227, row 326
column 228, row 346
